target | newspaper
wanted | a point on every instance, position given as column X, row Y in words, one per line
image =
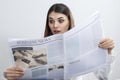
column 61, row 56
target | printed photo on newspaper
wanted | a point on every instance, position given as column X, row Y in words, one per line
column 61, row 56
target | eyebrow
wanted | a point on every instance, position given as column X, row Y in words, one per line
column 60, row 17
column 57, row 18
column 50, row 18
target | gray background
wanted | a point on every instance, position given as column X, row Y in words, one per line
column 26, row 19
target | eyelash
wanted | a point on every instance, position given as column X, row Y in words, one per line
column 61, row 21
column 52, row 21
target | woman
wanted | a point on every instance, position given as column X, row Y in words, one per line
column 59, row 20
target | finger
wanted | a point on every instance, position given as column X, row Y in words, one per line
column 107, row 45
column 106, row 39
column 15, row 69
column 106, row 42
column 13, row 74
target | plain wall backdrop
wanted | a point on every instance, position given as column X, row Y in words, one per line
column 26, row 19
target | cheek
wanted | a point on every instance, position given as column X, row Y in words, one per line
column 50, row 26
column 66, row 26
column 66, row 29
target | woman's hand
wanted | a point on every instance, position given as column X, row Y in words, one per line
column 13, row 73
column 107, row 43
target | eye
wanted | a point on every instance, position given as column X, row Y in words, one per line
column 51, row 21
column 61, row 20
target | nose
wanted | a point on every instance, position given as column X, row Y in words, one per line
column 55, row 24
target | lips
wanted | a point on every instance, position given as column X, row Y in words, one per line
column 56, row 31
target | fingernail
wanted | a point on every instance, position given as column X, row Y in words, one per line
column 99, row 45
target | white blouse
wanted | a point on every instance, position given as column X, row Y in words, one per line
column 100, row 74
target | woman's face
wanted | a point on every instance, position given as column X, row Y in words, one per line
column 58, row 23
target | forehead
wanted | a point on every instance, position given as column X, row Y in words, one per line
column 56, row 15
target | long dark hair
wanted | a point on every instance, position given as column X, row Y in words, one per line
column 59, row 8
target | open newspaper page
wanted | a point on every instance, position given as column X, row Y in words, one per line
column 81, row 48
column 41, row 58
column 61, row 56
